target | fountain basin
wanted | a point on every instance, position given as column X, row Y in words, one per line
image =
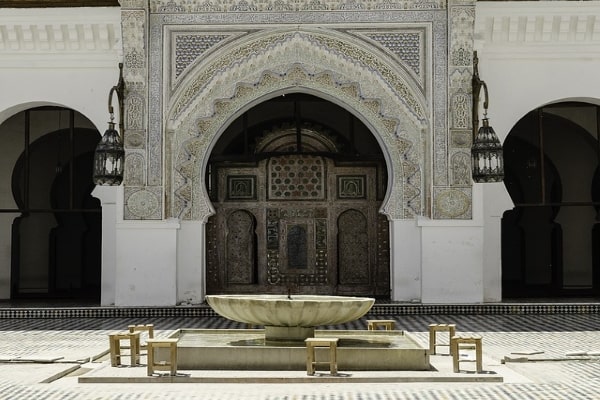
column 248, row 350
column 290, row 318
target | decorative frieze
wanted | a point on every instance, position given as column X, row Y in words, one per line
column 252, row 6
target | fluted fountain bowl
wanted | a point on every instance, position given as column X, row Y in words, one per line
column 290, row 318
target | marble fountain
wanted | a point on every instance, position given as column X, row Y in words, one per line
column 280, row 324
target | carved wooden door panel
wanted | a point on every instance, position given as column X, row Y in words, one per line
column 298, row 222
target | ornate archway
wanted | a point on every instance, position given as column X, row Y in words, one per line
column 384, row 98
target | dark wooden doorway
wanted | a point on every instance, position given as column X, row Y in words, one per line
column 297, row 192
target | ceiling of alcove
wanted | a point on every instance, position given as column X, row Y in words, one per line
column 352, row 136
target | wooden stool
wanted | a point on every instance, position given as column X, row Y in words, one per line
column 170, row 364
column 387, row 324
column 149, row 328
column 434, row 329
column 457, row 343
column 114, row 342
column 311, row 345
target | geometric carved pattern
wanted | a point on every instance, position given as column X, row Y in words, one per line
column 451, row 204
column 353, row 248
column 407, row 46
column 296, row 178
column 382, row 277
column 461, row 110
column 212, row 253
column 351, row 187
column 315, row 249
column 241, row 187
column 143, row 203
column 189, row 47
column 240, row 247
column 461, row 169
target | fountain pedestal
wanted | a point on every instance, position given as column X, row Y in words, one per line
column 288, row 333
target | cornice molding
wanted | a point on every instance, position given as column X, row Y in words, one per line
column 77, row 35
column 542, row 24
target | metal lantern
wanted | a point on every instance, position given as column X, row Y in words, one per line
column 487, row 159
column 108, row 158
column 486, row 155
column 110, row 154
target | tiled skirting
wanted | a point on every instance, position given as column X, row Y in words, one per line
column 378, row 309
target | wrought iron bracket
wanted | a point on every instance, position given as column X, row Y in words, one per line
column 477, row 84
column 119, row 89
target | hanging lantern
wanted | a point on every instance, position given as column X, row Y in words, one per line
column 487, row 160
column 486, row 155
column 108, row 158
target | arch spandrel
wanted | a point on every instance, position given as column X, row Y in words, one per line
column 205, row 106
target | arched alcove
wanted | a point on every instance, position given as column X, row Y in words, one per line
column 310, row 174
column 54, row 223
column 550, row 236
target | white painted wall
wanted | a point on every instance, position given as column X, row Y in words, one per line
column 146, row 258
column 405, row 260
column 191, row 262
column 451, row 265
column 109, row 201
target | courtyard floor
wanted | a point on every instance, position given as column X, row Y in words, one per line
column 559, row 354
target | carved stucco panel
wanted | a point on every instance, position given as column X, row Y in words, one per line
column 449, row 202
column 135, row 168
column 143, row 202
column 268, row 50
column 460, row 170
column 452, row 203
column 191, row 194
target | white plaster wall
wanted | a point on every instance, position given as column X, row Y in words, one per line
column 108, row 196
column 451, row 262
column 146, row 259
column 405, row 263
column 191, row 262
column 495, row 200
